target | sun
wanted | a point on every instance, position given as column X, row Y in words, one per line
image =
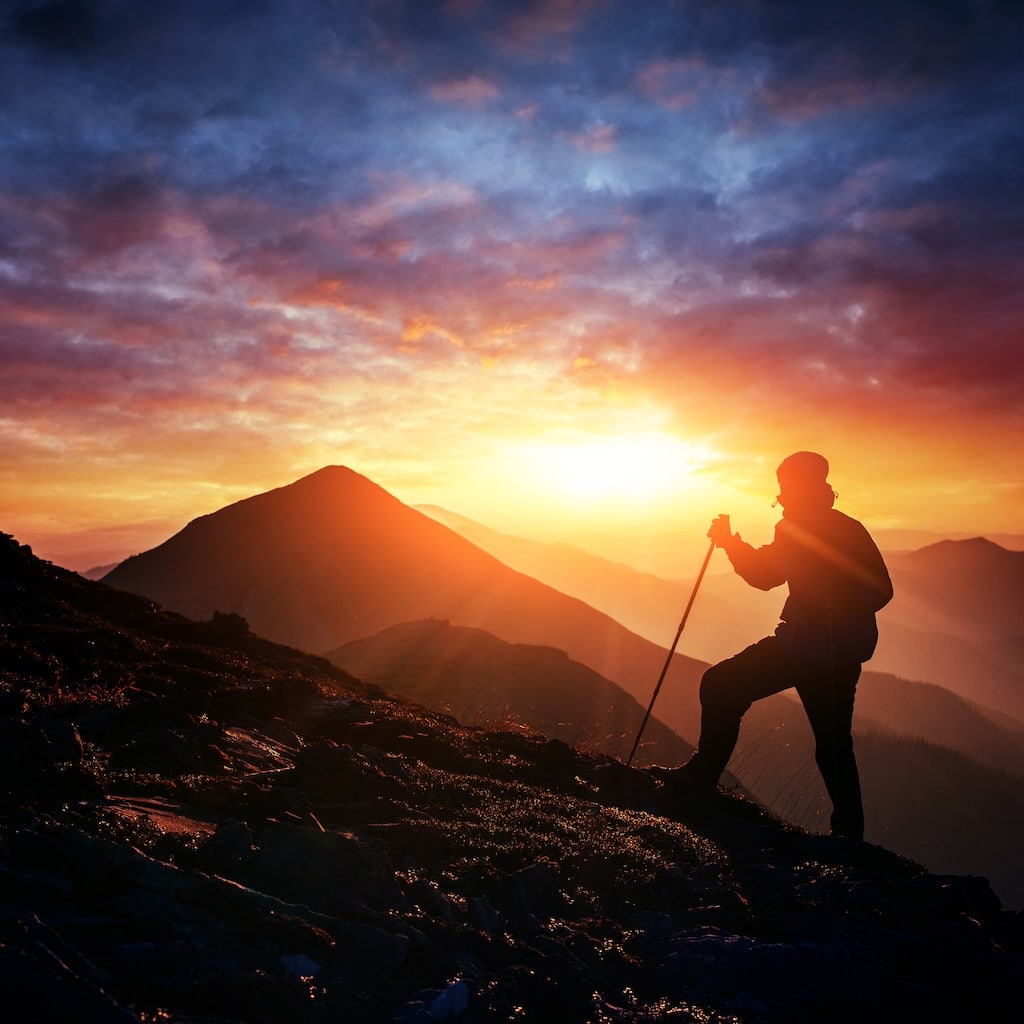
column 616, row 470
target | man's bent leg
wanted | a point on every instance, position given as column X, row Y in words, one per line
column 726, row 692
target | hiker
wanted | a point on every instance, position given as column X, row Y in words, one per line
column 837, row 581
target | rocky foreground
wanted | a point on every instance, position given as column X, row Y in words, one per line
column 197, row 825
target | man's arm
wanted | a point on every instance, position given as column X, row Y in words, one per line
column 760, row 567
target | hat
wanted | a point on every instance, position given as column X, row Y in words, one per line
column 806, row 467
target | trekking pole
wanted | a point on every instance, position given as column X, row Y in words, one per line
column 672, row 649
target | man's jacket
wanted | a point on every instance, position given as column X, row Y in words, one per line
column 837, row 581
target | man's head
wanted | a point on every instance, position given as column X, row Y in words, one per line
column 803, row 483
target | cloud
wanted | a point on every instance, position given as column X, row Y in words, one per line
column 598, row 138
column 473, row 91
column 280, row 219
column 675, row 83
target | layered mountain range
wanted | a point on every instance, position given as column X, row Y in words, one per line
column 334, row 558
column 332, row 563
column 954, row 622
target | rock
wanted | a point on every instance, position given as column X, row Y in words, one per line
column 534, row 891
column 163, row 752
column 26, row 753
column 230, row 846
column 482, row 915
column 450, row 1002
column 330, row 870
column 36, row 986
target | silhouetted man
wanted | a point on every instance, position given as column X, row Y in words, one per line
column 837, row 581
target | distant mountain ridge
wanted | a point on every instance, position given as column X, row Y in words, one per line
column 645, row 603
column 954, row 620
column 481, row 680
column 971, row 588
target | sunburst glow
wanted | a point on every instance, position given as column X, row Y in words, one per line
column 614, row 470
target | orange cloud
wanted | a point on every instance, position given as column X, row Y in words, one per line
column 600, row 138
column 543, row 284
column 472, row 91
column 674, row 83
column 417, row 328
column 325, row 292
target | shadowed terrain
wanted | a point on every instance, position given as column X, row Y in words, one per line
column 942, row 781
column 197, row 824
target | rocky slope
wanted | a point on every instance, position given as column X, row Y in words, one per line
column 198, row 825
column 941, row 782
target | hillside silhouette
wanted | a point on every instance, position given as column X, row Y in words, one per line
column 925, row 711
column 482, row 680
column 198, row 824
column 952, row 800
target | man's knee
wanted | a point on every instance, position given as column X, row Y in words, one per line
column 718, row 690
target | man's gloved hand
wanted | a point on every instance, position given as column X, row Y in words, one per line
column 720, row 531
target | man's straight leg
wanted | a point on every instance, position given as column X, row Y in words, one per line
column 828, row 697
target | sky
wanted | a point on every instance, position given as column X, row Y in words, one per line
column 576, row 269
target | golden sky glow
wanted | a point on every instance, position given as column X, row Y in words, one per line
column 622, row 469
column 490, row 270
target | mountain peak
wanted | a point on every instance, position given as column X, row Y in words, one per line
column 974, row 552
column 332, row 473
column 333, row 557
column 330, row 481
column 966, row 544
